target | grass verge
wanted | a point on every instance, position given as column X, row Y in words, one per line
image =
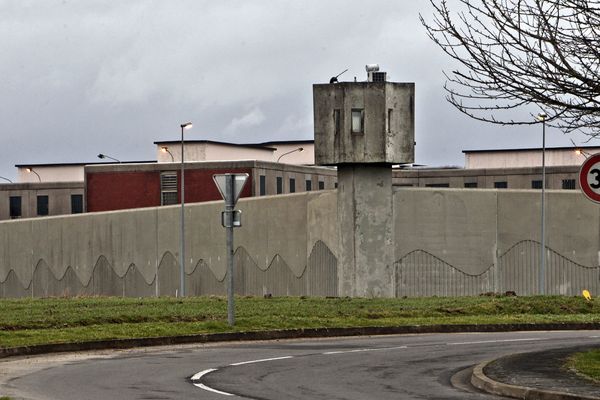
column 587, row 364
column 26, row 322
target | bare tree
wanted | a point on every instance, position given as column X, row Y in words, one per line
column 514, row 54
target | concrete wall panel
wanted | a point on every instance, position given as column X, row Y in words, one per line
column 205, row 238
column 322, row 220
column 457, row 226
column 279, row 224
column 17, row 249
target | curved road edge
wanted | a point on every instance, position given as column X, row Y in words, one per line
column 286, row 334
column 485, row 383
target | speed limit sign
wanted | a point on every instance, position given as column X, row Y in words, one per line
column 589, row 178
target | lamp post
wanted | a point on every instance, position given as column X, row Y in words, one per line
column 30, row 170
column 103, row 156
column 542, row 283
column 185, row 126
column 6, row 179
column 299, row 149
column 165, row 149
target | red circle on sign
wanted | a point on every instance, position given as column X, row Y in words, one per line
column 583, row 178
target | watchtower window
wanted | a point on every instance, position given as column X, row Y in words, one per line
column 358, row 120
column 336, row 121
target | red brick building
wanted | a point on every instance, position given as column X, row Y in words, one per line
column 125, row 186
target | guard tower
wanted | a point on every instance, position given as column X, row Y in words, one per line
column 363, row 128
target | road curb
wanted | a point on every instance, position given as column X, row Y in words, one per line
column 285, row 334
column 481, row 381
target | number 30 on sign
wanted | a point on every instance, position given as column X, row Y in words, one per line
column 589, row 178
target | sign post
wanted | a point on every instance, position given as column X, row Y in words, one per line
column 589, row 178
column 230, row 186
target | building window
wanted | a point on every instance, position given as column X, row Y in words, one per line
column 76, row 203
column 321, row 185
column 470, row 185
column 168, row 188
column 501, row 185
column 262, row 183
column 336, row 121
column 42, row 205
column 568, row 184
column 279, row 185
column 15, row 206
column 292, row 185
column 358, row 120
column 438, row 185
column 335, row 185
column 389, row 120
column 536, row 184
column 308, row 185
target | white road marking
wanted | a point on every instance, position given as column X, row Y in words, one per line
column 362, row 350
column 496, row 341
column 261, row 360
column 594, row 337
column 203, row 386
column 199, row 375
column 202, row 373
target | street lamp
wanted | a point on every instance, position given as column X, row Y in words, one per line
column 542, row 117
column 299, row 150
column 6, row 179
column 165, row 149
column 103, row 156
column 30, row 170
column 185, row 126
column 581, row 152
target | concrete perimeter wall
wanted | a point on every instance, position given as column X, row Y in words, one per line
column 446, row 243
column 467, row 242
column 136, row 252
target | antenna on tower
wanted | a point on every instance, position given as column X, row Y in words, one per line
column 334, row 78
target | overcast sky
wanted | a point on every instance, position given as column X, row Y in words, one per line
column 79, row 78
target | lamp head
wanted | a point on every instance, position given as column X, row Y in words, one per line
column 187, row 125
column 542, row 117
column 28, row 169
column 301, row 149
column 101, row 156
column 164, row 149
column 578, row 152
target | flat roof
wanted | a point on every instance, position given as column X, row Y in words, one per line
column 288, row 142
column 530, row 149
column 256, row 146
column 80, row 164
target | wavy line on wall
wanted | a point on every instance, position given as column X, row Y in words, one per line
column 500, row 257
column 436, row 258
column 276, row 257
column 103, row 265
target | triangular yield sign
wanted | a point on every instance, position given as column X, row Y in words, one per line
column 239, row 180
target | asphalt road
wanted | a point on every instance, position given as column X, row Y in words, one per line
column 382, row 367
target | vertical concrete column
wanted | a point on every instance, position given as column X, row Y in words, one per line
column 366, row 234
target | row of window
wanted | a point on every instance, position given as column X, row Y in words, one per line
column 262, row 183
column 168, row 186
column 568, row 184
column 16, row 205
column 357, row 121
